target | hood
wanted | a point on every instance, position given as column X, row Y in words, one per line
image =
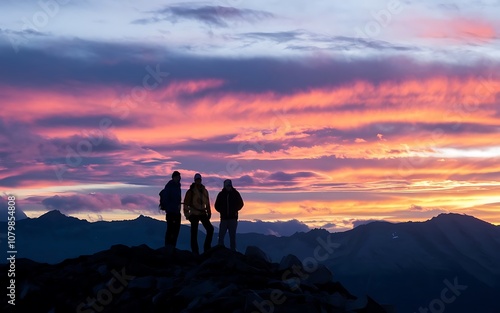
column 172, row 183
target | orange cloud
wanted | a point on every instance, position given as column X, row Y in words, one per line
column 405, row 168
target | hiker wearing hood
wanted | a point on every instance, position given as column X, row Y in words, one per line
column 197, row 209
column 172, row 209
column 228, row 203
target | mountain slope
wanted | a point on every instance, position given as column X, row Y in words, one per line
column 140, row 279
column 389, row 260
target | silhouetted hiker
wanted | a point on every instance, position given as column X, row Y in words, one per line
column 228, row 203
column 197, row 209
column 172, row 206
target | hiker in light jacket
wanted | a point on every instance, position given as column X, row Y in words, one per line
column 228, row 203
column 173, row 211
column 197, row 209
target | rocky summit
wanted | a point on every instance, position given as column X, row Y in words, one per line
column 141, row 279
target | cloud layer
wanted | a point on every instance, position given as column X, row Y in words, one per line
column 323, row 127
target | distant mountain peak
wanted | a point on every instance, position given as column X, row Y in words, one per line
column 143, row 218
column 317, row 231
column 456, row 217
column 453, row 215
column 53, row 214
column 56, row 216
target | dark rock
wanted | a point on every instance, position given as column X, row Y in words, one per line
column 143, row 282
column 255, row 252
column 288, row 262
column 320, row 275
column 140, row 279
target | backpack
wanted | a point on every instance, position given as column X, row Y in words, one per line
column 163, row 200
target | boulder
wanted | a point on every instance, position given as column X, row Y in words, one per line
column 288, row 262
column 255, row 252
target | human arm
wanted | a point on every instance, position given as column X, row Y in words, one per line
column 188, row 198
column 218, row 202
column 209, row 211
column 239, row 201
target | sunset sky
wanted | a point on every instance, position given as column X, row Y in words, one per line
column 328, row 112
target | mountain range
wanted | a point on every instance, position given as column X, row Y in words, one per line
column 451, row 262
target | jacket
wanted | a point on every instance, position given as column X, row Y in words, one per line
column 196, row 201
column 173, row 196
column 228, row 203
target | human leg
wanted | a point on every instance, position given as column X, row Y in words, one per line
column 194, row 234
column 172, row 231
column 222, row 232
column 176, row 227
column 232, row 233
column 210, row 233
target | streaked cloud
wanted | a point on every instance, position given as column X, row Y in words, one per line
column 218, row 16
column 99, row 202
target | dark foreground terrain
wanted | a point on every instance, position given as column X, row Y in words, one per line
column 140, row 279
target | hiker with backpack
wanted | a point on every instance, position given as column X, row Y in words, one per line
column 170, row 202
column 228, row 203
column 197, row 209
